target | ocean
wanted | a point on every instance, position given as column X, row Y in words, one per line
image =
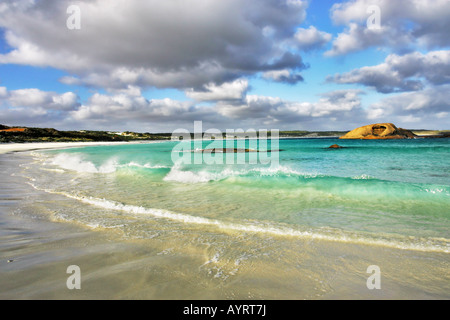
column 304, row 225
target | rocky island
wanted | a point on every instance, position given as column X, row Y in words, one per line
column 379, row 131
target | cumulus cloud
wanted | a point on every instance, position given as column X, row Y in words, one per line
column 210, row 50
column 404, row 23
column 284, row 76
column 31, row 106
column 235, row 90
column 359, row 37
column 154, row 43
column 129, row 110
column 275, row 110
column 3, row 92
column 126, row 107
column 409, row 72
column 30, row 98
column 311, row 38
column 125, row 112
column 430, row 106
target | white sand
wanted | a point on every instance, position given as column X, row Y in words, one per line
column 16, row 147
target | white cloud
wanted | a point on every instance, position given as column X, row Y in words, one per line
column 409, row 72
column 428, row 106
column 128, row 109
column 285, row 76
column 235, row 90
column 3, row 92
column 32, row 106
column 404, row 24
column 360, row 37
column 332, row 104
column 311, row 38
column 154, row 43
column 66, row 101
column 123, row 107
column 29, row 98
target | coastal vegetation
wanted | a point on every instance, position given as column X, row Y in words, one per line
column 27, row 134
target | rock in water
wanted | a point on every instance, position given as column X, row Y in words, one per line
column 379, row 131
column 335, row 146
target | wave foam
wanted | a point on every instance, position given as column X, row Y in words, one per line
column 185, row 176
column 74, row 162
column 442, row 245
column 146, row 166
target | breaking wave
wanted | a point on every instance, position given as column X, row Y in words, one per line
column 77, row 163
column 270, row 228
column 177, row 174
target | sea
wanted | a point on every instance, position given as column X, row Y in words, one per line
column 302, row 221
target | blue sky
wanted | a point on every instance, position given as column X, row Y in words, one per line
column 265, row 64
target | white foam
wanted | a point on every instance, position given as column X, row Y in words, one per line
column 406, row 244
column 178, row 175
column 437, row 191
column 363, row 177
column 185, row 176
column 146, row 165
column 76, row 163
column 287, row 171
column 266, row 229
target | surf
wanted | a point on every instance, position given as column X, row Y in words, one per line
column 268, row 228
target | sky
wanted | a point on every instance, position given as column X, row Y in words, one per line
column 158, row 66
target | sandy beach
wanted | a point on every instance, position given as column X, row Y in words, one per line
column 17, row 147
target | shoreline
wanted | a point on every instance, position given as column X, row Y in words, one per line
column 31, row 146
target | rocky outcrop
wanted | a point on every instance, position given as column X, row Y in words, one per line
column 379, row 131
column 14, row 130
column 335, row 146
column 227, row 150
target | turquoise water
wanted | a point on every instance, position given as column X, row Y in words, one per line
column 384, row 193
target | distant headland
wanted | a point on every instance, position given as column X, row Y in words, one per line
column 21, row 134
column 26, row 134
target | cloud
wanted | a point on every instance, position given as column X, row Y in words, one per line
column 283, row 76
column 404, row 24
column 311, row 38
column 430, row 107
column 124, row 112
column 30, row 98
column 235, row 90
column 251, row 111
column 409, row 72
column 31, row 106
column 275, row 110
column 127, row 109
column 359, row 37
column 3, row 92
column 154, row 43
